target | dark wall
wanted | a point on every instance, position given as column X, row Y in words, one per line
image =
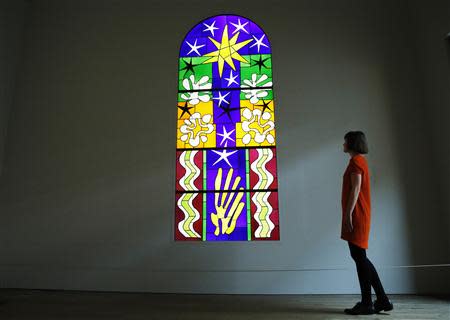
column 12, row 24
column 87, row 199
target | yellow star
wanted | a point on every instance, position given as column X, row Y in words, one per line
column 227, row 51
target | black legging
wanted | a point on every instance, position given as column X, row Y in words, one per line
column 367, row 275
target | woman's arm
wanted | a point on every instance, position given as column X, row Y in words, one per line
column 352, row 199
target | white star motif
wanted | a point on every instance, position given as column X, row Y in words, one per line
column 231, row 79
column 194, row 47
column 221, row 98
column 225, row 136
column 210, row 27
column 239, row 26
column 223, row 156
column 259, row 42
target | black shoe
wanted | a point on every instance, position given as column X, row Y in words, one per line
column 360, row 308
column 383, row 305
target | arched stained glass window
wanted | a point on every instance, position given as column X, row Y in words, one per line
column 226, row 174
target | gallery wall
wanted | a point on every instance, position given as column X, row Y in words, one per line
column 87, row 197
column 12, row 24
column 431, row 35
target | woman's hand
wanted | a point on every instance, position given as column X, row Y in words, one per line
column 348, row 224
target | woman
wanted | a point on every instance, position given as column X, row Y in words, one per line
column 356, row 225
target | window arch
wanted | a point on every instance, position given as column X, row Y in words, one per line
column 226, row 174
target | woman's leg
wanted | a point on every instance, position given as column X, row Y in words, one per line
column 359, row 255
column 376, row 282
column 367, row 275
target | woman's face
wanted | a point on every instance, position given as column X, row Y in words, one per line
column 344, row 147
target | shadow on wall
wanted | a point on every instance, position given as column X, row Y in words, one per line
column 446, row 207
column 424, row 214
column 448, row 47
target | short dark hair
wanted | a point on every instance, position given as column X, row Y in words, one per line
column 356, row 141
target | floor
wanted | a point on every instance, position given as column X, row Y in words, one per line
column 68, row 305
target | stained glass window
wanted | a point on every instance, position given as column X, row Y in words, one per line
column 226, row 166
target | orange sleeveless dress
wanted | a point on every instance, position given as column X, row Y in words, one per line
column 361, row 215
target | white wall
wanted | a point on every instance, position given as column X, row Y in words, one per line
column 87, row 199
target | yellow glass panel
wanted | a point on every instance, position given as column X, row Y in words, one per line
column 257, row 127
